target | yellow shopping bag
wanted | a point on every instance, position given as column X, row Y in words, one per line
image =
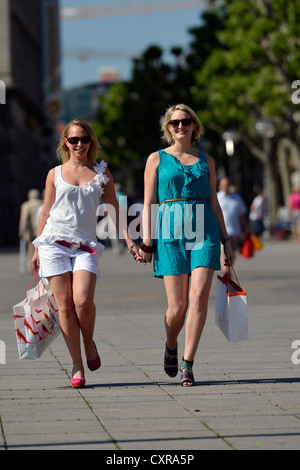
column 257, row 243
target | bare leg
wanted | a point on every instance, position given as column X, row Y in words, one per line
column 177, row 294
column 62, row 289
column 201, row 279
column 84, row 284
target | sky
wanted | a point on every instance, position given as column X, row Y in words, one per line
column 125, row 36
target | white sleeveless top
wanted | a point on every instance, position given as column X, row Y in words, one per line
column 73, row 216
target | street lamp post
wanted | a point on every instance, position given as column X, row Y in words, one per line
column 231, row 137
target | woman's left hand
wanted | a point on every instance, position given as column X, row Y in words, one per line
column 228, row 253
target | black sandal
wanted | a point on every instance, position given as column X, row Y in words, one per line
column 187, row 376
column 171, row 362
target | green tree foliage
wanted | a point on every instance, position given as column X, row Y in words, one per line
column 250, row 76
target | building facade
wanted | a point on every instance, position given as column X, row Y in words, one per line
column 29, row 103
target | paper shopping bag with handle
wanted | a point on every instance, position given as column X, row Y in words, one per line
column 231, row 314
column 36, row 321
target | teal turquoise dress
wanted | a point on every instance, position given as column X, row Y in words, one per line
column 186, row 233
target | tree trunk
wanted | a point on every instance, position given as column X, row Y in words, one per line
column 289, row 162
column 270, row 183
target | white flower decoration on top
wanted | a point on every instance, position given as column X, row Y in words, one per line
column 99, row 180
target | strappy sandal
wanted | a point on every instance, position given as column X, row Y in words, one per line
column 187, row 376
column 171, row 362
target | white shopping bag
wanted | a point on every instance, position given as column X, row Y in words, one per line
column 36, row 321
column 231, row 314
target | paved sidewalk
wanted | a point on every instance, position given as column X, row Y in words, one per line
column 247, row 394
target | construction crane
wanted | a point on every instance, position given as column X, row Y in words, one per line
column 120, row 9
column 129, row 8
column 84, row 54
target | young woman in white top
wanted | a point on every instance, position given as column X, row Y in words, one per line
column 66, row 248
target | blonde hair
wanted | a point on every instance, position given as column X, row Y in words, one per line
column 198, row 131
column 63, row 152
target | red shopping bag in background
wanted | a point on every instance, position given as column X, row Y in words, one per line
column 36, row 321
column 247, row 249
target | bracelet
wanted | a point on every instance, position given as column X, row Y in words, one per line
column 146, row 248
column 224, row 240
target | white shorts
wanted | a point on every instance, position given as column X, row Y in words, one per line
column 56, row 259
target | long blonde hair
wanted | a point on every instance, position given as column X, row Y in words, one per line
column 198, row 131
column 63, row 152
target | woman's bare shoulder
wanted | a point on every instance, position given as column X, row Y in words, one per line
column 51, row 176
column 153, row 160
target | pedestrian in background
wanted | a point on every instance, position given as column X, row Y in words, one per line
column 256, row 215
column 294, row 208
column 183, row 178
column 28, row 224
column 67, row 250
column 235, row 215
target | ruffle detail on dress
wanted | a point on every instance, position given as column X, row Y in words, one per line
column 194, row 171
column 99, row 180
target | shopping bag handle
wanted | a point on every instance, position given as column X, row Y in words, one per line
column 35, row 277
column 228, row 268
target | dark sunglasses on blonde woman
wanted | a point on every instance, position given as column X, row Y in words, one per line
column 185, row 122
column 74, row 140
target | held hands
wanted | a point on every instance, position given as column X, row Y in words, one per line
column 140, row 255
column 145, row 257
column 146, row 251
column 133, row 249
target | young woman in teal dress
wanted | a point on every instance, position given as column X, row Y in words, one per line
column 185, row 242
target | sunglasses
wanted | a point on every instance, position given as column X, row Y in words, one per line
column 74, row 140
column 185, row 122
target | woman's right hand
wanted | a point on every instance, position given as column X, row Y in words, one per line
column 35, row 260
